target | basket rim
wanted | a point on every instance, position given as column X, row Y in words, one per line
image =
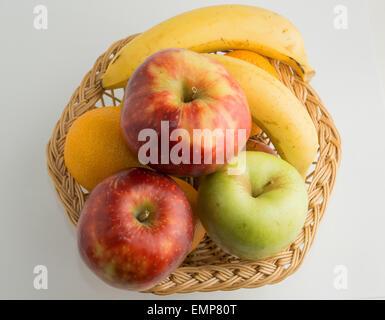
column 222, row 276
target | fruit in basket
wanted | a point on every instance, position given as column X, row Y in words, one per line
column 135, row 228
column 258, row 213
column 255, row 130
column 253, row 145
column 192, row 197
column 255, row 59
column 214, row 28
column 95, row 148
column 277, row 111
column 259, row 61
column 184, row 114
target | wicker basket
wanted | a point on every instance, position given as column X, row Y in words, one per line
column 208, row 268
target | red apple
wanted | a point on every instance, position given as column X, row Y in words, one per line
column 135, row 228
column 253, row 145
column 180, row 89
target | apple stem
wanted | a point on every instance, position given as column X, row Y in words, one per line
column 143, row 215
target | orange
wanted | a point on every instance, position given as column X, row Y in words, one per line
column 192, row 197
column 254, row 58
column 95, row 149
column 255, row 130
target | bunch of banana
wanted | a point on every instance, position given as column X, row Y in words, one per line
column 277, row 111
column 216, row 28
column 226, row 27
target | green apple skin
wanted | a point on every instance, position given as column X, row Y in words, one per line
column 255, row 214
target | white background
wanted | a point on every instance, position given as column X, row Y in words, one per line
column 41, row 69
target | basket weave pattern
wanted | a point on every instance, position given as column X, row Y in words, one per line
column 208, row 268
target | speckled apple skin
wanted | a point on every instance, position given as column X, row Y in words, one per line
column 155, row 92
column 117, row 247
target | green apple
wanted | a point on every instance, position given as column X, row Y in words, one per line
column 256, row 213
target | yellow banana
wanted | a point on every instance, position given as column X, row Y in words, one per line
column 210, row 29
column 277, row 111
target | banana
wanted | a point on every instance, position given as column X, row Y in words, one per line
column 277, row 111
column 215, row 28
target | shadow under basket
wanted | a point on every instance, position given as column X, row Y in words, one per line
column 208, row 268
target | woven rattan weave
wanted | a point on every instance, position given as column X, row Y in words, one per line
column 208, row 268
